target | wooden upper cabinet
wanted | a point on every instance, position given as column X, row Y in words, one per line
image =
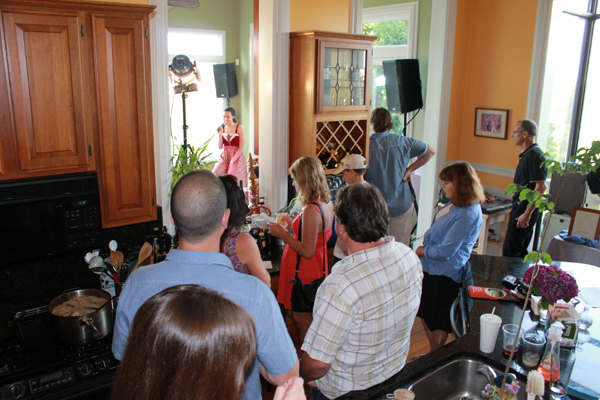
column 44, row 59
column 123, row 95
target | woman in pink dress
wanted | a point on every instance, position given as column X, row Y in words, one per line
column 231, row 141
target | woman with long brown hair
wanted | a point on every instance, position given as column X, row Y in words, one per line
column 189, row 342
column 315, row 219
column 447, row 247
column 241, row 248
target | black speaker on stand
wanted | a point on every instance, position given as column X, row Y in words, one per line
column 225, row 80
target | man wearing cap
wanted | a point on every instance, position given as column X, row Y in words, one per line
column 389, row 156
column 353, row 169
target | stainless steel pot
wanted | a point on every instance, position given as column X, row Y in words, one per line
column 83, row 329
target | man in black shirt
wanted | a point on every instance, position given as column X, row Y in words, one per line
column 529, row 173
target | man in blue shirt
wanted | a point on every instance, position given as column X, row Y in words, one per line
column 389, row 156
column 199, row 211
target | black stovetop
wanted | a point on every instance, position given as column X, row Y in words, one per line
column 35, row 364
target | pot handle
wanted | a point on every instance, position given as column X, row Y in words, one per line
column 89, row 321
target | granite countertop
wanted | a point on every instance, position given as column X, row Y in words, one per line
column 488, row 271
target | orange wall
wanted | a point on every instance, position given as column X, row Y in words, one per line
column 492, row 61
column 320, row 15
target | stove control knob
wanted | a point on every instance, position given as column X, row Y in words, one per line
column 17, row 391
column 103, row 364
column 85, row 369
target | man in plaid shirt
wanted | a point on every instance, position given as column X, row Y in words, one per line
column 365, row 309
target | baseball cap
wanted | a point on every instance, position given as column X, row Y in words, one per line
column 351, row 161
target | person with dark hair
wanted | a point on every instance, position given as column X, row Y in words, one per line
column 389, row 171
column 532, row 173
column 366, row 307
column 241, row 248
column 311, row 230
column 189, row 342
column 200, row 214
column 231, row 141
column 447, row 247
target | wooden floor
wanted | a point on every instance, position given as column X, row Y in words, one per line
column 418, row 345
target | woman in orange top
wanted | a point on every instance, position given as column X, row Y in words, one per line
column 311, row 185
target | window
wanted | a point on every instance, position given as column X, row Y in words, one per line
column 571, row 94
column 204, row 110
column 396, row 27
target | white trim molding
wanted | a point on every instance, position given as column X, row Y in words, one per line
column 488, row 169
column 159, row 27
column 437, row 105
column 273, row 76
column 356, row 17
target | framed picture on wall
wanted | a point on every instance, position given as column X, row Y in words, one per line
column 491, row 123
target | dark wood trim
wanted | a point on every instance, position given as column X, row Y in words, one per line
column 256, row 66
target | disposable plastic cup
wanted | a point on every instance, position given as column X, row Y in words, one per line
column 533, row 344
column 510, row 331
column 401, row 394
column 489, row 327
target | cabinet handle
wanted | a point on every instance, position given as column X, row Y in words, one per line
column 90, row 149
column 82, row 31
column 153, row 202
column 146, row 33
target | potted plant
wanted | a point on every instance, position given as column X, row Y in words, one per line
column 185, row 162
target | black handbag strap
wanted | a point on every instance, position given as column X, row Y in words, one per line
column 300, row 239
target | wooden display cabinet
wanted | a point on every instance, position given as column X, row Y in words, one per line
column 330, row 95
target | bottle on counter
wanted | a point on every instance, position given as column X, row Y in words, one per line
column 550, row 365
column 262, row 243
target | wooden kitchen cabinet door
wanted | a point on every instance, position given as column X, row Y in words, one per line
column 47, row 101
column 123, row 94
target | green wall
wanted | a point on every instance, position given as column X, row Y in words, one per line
column 422, row 52
column 234, row 17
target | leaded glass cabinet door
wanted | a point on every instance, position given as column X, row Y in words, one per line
column 344, row 77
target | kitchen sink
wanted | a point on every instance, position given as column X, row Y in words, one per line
column 456, row 380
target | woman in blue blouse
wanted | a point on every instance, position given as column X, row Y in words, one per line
column 447, row 247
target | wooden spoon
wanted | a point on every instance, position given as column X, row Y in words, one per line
column 145, row 252
column 117, row 255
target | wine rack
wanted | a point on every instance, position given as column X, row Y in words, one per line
column 335, row 139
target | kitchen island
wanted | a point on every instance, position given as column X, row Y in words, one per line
column 488, row 271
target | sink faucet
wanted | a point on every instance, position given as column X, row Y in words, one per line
column 488, row 372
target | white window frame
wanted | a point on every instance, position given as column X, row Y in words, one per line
column 203, row 58
column 409, row 11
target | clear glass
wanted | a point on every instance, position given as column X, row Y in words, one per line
column 379, row 96
column 585, row 319
column 589, row 125
column 562, row 66
column 389, row 33
column 344, row 75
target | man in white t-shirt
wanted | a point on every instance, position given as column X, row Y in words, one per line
column 353, row 169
